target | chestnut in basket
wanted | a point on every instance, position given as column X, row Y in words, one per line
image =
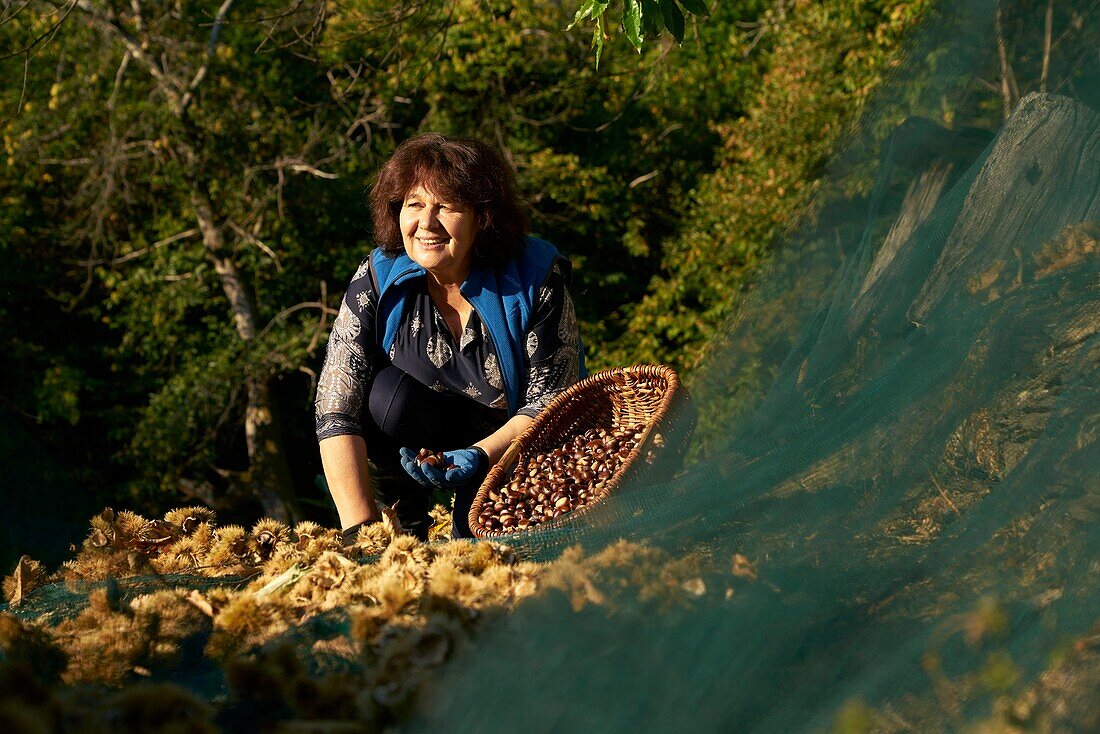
column 550, row 483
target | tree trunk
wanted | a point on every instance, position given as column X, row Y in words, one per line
column 269, row 475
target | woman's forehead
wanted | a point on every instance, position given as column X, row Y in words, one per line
column 428, row 191
column 421, row 191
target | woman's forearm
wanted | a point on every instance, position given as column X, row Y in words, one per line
column 495, row 444
column 344, row 459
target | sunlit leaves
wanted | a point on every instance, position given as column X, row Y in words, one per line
column 640, row 18
column 632, row 22
column 591, row 9
column 594, row 10
column 770, row 159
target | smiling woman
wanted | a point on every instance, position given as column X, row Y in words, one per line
column 453, row 334
column 438, row 235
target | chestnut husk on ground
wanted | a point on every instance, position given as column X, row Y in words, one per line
column 260, row 606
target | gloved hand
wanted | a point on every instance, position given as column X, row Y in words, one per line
column 459, row 467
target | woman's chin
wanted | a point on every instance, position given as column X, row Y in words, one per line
column 431, row 260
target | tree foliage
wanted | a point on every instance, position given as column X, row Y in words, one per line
column 665, row 174
column 824, row 59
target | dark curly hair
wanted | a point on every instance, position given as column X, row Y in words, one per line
column 463, row 170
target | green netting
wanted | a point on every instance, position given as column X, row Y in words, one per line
column 894, row 507
column 898, row 510
column 55, row 602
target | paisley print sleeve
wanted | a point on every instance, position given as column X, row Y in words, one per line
column 345, row 378
column 552, row 343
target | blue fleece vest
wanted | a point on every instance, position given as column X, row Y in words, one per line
column 503, row 299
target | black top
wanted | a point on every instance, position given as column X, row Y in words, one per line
column 425, row 348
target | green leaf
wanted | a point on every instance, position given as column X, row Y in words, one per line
column 632, row 22
column 597, row 37
column 590, row 8
column 674, row 19
column 651, row 17
column 583, row 12
column 696, row 7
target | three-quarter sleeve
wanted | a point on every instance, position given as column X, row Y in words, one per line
column 344, row 384
column 552, row 345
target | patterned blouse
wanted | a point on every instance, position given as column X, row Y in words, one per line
column 426, row 349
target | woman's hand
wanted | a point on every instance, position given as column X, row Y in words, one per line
column 459, row 467
column 463, row 465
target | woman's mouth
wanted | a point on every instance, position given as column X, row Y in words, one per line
column 432, row 242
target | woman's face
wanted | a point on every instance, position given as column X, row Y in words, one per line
column 438, row 235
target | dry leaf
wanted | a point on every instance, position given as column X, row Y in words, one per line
column 695, row 586
column 28, row 574
column 743, row 568
column 199, row 601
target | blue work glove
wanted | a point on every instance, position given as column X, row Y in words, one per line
column 465, row 464
column 415, row 469
column 459, row 467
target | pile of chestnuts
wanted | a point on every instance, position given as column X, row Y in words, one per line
column 548, row 484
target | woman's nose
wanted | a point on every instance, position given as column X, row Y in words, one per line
column 429, row 217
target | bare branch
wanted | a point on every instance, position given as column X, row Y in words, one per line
column 118, row 80
column 760, row 28
column 71, row 162
column 996, row 89
column 7, row 17
column 137, row 253
column 139, row 17
column 166, row 84
column 324, row 308
column 299, row 166
column 312, row 379
column 322, row 324
column 211, row 46
column 295, row 165
column 1046, row 46
column 29, row 48
column 249, row 237
column 1002, row 52
column 22, row 89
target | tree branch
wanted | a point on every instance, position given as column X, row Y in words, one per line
column 139, row 17
column 249, row 237
column 167, row 85
column 49, row 32
column 324, row 308
column 118, row 80
column 211, row 46
column 137, row 253
column 1049, row 25
column 1006, row 70
column 8, row 17
column 297, row 165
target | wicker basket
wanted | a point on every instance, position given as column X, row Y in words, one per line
column 648, row 395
